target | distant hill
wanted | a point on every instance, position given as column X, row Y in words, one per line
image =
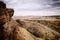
column 53, row 16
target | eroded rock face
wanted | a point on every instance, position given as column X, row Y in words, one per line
column 5, row 15
column 2, row 5
column 10, row 29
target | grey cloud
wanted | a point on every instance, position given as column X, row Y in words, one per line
column 55, row 3
column 45, row 3
column 55, row 0
column 33, row 5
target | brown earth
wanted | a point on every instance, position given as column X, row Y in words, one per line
column 42, row 28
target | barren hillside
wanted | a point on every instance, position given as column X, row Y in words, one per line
column 42, row 27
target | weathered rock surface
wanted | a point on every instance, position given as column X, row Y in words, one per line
column 10, row 29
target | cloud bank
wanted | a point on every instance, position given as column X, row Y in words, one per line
column 34, row 7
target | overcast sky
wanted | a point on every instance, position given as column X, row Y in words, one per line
column 34, row 7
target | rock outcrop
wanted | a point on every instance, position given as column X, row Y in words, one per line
column 10, row 29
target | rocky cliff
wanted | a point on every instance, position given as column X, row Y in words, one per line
column 10, row 29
